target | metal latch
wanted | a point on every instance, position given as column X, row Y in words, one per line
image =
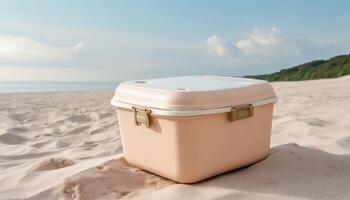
column 142, row 116
column 241, row 112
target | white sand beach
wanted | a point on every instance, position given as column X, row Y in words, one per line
column 67, row 146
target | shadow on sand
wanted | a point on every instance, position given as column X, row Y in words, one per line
column 294, row 171
column 290, row 170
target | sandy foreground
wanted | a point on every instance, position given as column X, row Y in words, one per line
column 67, row 146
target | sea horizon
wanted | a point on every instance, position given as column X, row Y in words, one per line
column 55, row 86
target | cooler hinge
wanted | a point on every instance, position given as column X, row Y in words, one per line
column 241, row 112
column 142, row 116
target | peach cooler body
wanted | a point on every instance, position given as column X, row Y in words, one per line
column 188, row 149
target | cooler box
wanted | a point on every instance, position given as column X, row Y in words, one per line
column 193, row 127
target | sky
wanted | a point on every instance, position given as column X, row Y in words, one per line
column 101, row 40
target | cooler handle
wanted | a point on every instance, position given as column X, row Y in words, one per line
column 142, row 116
column 241, row 112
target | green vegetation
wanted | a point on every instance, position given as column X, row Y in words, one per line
column 332, row 68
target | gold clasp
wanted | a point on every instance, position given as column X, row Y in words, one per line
column 142, row 116
column 241, row 112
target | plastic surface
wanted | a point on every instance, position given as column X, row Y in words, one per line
column 187, row 135
column 195, row 83
column 192, row 92
column 190, row 149
column 195, row 112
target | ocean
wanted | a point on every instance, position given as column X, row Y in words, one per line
column 32, row 87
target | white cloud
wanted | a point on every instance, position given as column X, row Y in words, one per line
column 220, row 47
column 261, row 43
column 77, row 47
column 24, row 49
column 266, row 37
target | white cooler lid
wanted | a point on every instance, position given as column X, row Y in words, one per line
column 188, row 93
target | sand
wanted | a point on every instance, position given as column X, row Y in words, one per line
column 67, row 146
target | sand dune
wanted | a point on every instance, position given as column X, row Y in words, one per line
column 111, row 180
column 290, row 172
column 67, row 146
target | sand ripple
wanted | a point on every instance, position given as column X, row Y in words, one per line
column 54, row 163
column 53, row 146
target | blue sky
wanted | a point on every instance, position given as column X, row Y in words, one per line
column 119, row 40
